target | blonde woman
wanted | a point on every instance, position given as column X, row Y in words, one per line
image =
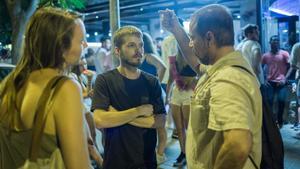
column 184, row 79
column 54, row 40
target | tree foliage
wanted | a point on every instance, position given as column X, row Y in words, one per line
column 6, row 24
column 70, row 4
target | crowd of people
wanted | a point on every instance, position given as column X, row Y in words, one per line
column 209, row 85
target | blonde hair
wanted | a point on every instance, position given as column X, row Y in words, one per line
column 118, row 38
column 48, row 35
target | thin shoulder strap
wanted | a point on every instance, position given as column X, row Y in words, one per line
column 41, row 114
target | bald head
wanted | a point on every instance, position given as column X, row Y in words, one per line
column 216, row 19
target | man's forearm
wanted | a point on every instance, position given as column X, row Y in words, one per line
column 155, row 121
column 228, row 158
column 108, row 119
column 234, row 150
column 291, row 71
column 160, row 120
column 144, row 122
column 183, row 42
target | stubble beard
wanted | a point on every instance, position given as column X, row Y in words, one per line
column 204, row 59
column 132, row 64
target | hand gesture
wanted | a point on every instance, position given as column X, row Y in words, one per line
column 112, row 108
column 91, row 93
column 145, row 110
column 89, row 73
column 169, row 20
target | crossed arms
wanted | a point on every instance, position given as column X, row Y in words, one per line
column 141, row 116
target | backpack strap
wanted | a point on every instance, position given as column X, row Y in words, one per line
column 41, row 114
column 251, row 159
column 241, row 67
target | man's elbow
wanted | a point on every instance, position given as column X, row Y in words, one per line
column 244, row 151
column 241, row 149
column 160, row 121
column 99, row 121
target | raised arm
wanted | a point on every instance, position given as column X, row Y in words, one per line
column 170, row 22
column 68, row 116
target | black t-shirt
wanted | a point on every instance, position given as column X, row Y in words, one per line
column 128, row 146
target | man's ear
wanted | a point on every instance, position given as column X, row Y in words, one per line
column 117, row 51
column 210, row 38
column 209, row 35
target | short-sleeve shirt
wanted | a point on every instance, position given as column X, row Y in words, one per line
column 277, row 65
column 226, row 97
column 102, row 60
column 295, row 55
column 248, row 47
column 128, row 146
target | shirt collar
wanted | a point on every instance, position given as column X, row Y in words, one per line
column 232, row 59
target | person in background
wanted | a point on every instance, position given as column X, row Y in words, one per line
column 104, row 56
column 185, row 81
column 152, row 63
column 83, row 77
column 89, row 56
column 277, row 63
column 169, row 49
column 224, row 129
column 295, row 70
column 128, row 105
column 46, row 56
column 158, row 42
column 251, row 50
column 155, row 66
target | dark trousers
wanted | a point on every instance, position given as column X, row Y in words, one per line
column 276, row 89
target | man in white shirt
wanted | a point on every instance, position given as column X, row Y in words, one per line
column 251, row 50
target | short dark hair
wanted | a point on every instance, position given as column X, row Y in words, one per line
column 274, row 37
column 217, row 19
column 249, row 28
column 159, row 39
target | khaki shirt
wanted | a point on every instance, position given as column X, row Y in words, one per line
column 226, row 97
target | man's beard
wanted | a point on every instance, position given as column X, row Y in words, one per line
column 204, row 60
column 133, row 64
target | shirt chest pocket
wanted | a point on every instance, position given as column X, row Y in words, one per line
column 199, row 114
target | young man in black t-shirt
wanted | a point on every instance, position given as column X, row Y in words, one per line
column 127, row 103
